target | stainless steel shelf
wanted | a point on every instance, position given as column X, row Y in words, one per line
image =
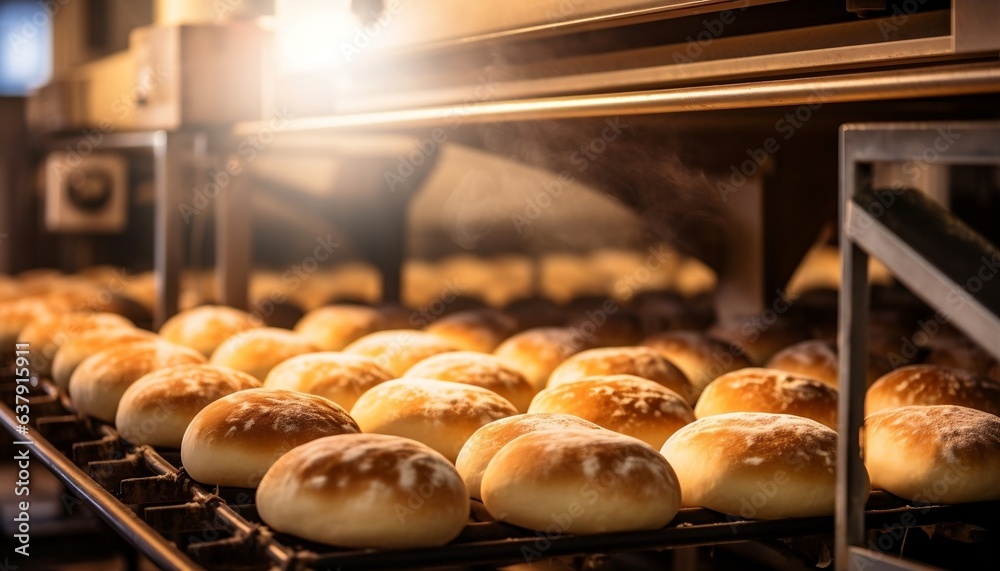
column 925, row 247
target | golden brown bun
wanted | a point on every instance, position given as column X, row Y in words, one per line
column 626, row 404
column 603, row 328
column 537, row 352
column 817, row 359
column 701, row 358
column 365, row 490
column 157, row 408
column 769, row 390
column 934, row 454
column 441, row 414
column 75, row 350
column 642, row 362
column 399, row 349
column 580, row 482
column 483, row 445
column 257, row 351
column 17, row 314
column 477, row 369
column 926, row 385
column 756, row 465
column 479, row 330
column 47, row 333
column 334, row 327
column 758, row 339
column 340, row 377
column 204, row 328
column 98, row 383
column 961, row 354
column 234, row 440
column 397, row 316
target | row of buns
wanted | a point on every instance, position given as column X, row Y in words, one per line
column 624, row 433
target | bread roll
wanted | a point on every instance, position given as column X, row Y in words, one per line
column 477, row 369
column 441, row 414
column 334, row 327
column 365, row 490
column 701, row 358
column 47, row 333
column 399, row 349
column 759, row 338
column 479, row 330
column 257, row 351
column 204, row 328
column 483, row 445
column 927, row 385
column 157, row 408
column 934, row 454
column 17, row 314
column 75, row 350
column 537, row 352
column 756, row 465
column 769, row 390
column 626, row 404
column 605, row 324
column 639, row 361
column 340, row 377
column 98, row 383
column 534, row 312
column 580, row 482
column 961, row 354
column 234, row 440
column 817, row 359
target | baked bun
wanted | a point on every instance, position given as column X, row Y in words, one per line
column 157, row 408
column 642, row 362
column 769, row 390
column 701, row 358
column 580, row 482
column 204, row 328
column 98, row 383
column 627, row 404
column 365, row 490
column 927, row 385
column 479, row 330
column 759, row 340
column 17, row 314
column 960, row 353
column 334, row 327
column 234, row 440
column 257, row 351
column 47, row 333
column 534, row 312
column 483, row 445
column 399, row 349
column 756, row 465
column 75, row 350
column 441, row 414
column 537, row 352
column 934, row 454
column 817, row 359
column 616, row 328
column 340, row 377
column 477, row 369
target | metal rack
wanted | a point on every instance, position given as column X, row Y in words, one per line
column 930, row 251
column 179, row 524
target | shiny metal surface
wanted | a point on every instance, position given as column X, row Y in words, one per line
column 950, row 80
column 933, row 270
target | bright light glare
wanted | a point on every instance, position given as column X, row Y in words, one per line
column 26, row 48
column 315, row 35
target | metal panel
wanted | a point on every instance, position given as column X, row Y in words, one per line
column 870, row 86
